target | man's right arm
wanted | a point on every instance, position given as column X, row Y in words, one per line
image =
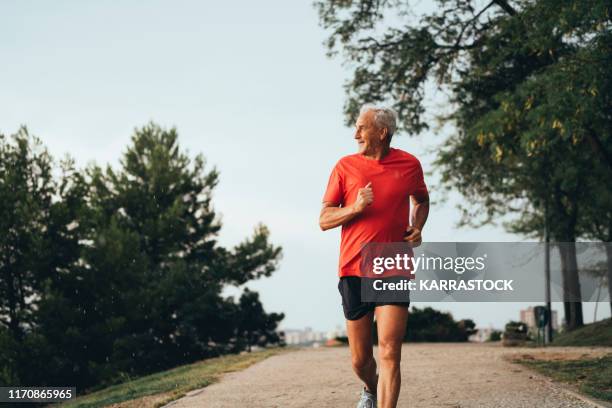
column 333, row 216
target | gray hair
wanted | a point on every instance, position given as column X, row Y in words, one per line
column 383, row 117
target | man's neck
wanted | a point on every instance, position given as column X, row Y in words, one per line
column 379, row 154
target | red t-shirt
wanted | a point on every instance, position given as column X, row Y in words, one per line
column 394, row 179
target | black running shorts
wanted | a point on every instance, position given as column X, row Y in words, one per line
column 350, row 291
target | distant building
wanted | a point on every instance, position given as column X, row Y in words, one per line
column 292, row 337
column 308, row 337
column 528, row 317
column 339, row 331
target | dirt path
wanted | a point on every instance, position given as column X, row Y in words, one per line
column 433, row 375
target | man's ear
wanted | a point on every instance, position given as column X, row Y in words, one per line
column 384, row 134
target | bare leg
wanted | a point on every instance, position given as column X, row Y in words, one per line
column 360, row 342
column 391, row 323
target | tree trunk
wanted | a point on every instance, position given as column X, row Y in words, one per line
column 572, row 297
column 565, row 234
column 609, row 259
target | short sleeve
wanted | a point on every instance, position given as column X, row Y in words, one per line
column 419, row 188
column 335, row 188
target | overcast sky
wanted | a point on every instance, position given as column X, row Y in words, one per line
column 245, row 83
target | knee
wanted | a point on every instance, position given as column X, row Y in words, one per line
column 390, row 351
column 361, row 362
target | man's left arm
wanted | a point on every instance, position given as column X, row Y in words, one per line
column 419, row 210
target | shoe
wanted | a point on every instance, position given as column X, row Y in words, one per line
column 366, row 400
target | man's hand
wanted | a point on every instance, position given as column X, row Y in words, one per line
column 365, row 197
column 413, row 235
column 333, row 216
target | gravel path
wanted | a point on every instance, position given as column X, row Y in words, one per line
column 433, row 375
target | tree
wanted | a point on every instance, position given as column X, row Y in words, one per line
column 495, row 335
column 119, row 269
column 26, row 191
column 39, row 234
column 515, row 333
column 255, row 327
column 529, row 97
column 165, row 198
column 152, row 274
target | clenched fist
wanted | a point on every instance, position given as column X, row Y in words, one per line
column 365, row 197
column 413, row 236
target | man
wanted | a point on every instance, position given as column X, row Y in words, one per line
column 370, row 195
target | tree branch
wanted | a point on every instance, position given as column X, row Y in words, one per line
column 465, row 26
column 505, row 6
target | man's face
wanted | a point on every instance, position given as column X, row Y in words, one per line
column 369, row 137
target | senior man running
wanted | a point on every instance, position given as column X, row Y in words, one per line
column 370, row 194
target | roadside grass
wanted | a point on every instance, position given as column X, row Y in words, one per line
column 594, row 334
column 160, row 388
column 591, row 376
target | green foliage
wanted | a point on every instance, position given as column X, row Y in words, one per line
column 26, row 191
column 592, row 376
column 431, row 325
column 516, row 331
column 254, row 325
column 516, row 327
column 8, row 358
column 598, row 334
column 117, row 272
column 495, row 335
column 342, row 339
